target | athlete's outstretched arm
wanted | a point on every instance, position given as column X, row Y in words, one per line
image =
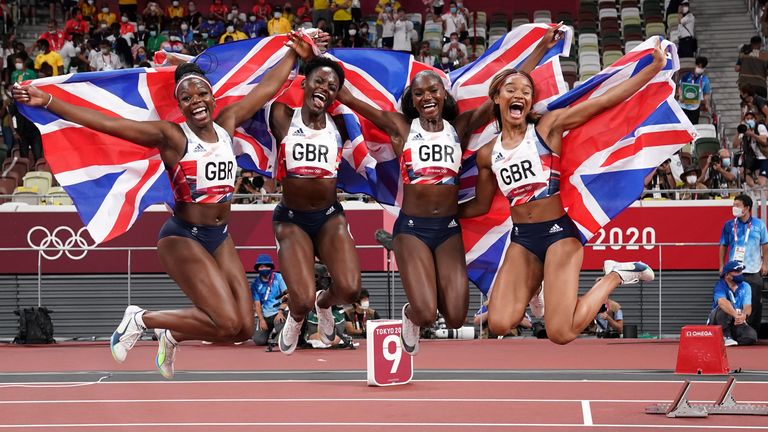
column 393, row 123
column 469, row 121
column 569, row 118
column 485, row 187
column 154, row 134
column 234, row 115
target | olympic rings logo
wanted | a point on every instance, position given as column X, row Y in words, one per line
column 59, row 246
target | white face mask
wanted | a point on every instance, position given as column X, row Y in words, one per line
column 19, row 66
column 175, row 4
column 124, row 19
column 364, row 304
column 278, row 14
column 103, row 25
column 252, row 18
column 141, row 28
column 698, row 71
column 737, row 211
column 105, row 10
column 184, row 27
column 352, row 32
column 685, row 9
column 230, row 29
column 691, row 179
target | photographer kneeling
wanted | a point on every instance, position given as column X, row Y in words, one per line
column 719, row 173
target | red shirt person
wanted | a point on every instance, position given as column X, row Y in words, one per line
column 76, row 25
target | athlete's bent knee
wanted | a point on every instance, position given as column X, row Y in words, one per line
column 455, row 320
column 347, row 289
column 560, row 336
column 228, row 328
column 501, row 325
column 422, row 316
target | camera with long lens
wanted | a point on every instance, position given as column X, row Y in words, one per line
column 715, row 160
column 742, row 128
column 441, row 331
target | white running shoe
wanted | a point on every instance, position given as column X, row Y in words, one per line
column 166, row 354
column 325, row 323
column 409, row 335
column 289, row 336
column 729, row 342
column 629, row 272
column 126, row 335
column 537, row 303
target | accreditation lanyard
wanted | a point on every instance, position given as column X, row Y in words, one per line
column 269, row 287
column 739, row 252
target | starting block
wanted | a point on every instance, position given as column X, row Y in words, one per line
column 701, row 351
column 725, row 404
column 388, row 364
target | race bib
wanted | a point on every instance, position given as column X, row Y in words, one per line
column 216, row 170
column 521, row 172
column 436, row 159
column 311, row 159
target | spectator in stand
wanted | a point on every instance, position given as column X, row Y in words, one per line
column 232, row 32
column 303, row 14
column 609, row 322
column 262, row 10
column 453, row 23
column 141, row 36
column 752, row 138
column 752, row 67
column 153, row 14
column 718, row 173
column 21, row 72
column 387, row 20
column 194, row 17
column 25, row 134
column 322, row 25
column 437, row 6
column 358, row 315
column 402, row 34
column 127, row 29
column 175, row 10
column 185, row 33
column 236, row 15
column 5, row 120
column 454, row 53
column 694, row 91
column 342, row 17
column 139, row 55
column 381, row 6
column 128, row 8
column 278, row 24
column 268, row 290
column 48, row 56
column 105, row 60
column 106, row 15
column 354, row 39
column 76, row 25
column 357, row 12
column 425, row 55
column 88, row 9
column 156, row 40
column 218, row 10
column 68, row 51
column 690, row 177
column 365, row 34
column 212, row 27
column 686, row 43
column 321, row 9
column 288, row 13
column 253, row 26
column 745, row 239
column 661, row 179
column 174, row 43
column 123, row 52
column 732, row 306
column 54, row 36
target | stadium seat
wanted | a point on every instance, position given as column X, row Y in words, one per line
column 629, row 46
column 478, row 32
column 705, row 146
column 608, row 13
column 16, row 160
column 706, row 130
column 517, row 22
column 7, row 185
column 568, row 66
column 57, row 196
column 28, row 195
column 672, row 21
column 687, row 64
column 632, row 32
column 610, row 57
column 17, row 171
column 566, row 18
column 492, row 40
column 589, row 57
column 40, row 180
column 655, row 29
column 542, row 16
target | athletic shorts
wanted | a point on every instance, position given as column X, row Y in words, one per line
column 310, row 222
column 210, row 237
column 431, row 231
column 538, row 237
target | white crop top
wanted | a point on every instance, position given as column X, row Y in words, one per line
column 206, row 172
column 310, row 153
column 431, row 157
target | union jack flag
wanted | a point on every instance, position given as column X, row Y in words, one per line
column 111, row 181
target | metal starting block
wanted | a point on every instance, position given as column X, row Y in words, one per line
column 725, row 404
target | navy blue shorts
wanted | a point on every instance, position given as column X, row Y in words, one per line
column 211, row 237
column 538, row 237
column 431, row 231
column 310, row 222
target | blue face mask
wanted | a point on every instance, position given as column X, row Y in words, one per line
column 265, row 273
column 750, row 123
column 738, row 278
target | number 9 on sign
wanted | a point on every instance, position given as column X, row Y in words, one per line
column 387, row 364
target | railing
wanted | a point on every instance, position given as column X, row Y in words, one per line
column 390, row 301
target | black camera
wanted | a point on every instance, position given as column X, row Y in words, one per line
column 603, row 308
column 715, row 159
column 742, row 128
column 746, row 49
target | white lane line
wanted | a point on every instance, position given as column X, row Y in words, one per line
column 391, row 425
column 294, row 400
column 586, row 412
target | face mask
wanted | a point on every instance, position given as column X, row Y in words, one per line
column 364, row 304
column 252, row 19
column 685, row 9
column 90, row 2
column 175, row 4
column 352, row 32
column 737, row 211
column 691, row 179
column 124, row 19
column 388, row 9
column 103, row 26
column 105, row 50
column 454, row 40
column 211, row 22
column 453, row 10
column 142, row 28
column 230, row 29
column 175, row 39
column 364, row 30
column 750, row 123
column 19, row 66
column 141, row 57
column 204, row 35
column 105, row 10
column 153, row 33
column 278, row 15
column 698, row 71
column 459, row 5
column 738, row 278
column 192, row 8
column 726, row 162
column 184, row 27
column 265, row 273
